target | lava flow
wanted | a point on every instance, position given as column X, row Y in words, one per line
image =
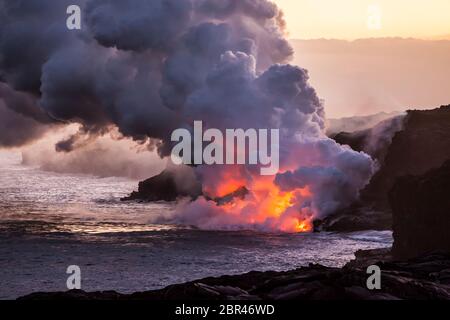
column 264, row 204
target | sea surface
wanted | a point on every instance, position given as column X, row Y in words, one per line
column 49, row 221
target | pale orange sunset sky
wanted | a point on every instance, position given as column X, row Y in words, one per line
column 350, row 19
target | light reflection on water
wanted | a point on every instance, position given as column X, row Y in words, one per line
column 31, row 194
column 49, row 221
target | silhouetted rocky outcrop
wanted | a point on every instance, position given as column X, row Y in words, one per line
column 421, row 213
column 167, row 187
column 421, row 145
column 164, row 187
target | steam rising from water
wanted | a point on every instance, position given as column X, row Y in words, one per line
column 108, row 156
column 149, row 67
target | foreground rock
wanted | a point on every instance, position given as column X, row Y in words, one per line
column 421, row 213
column 427, row 277
column 421, row 145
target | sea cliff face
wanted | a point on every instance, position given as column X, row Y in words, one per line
column 421, row 213
column 421, row 145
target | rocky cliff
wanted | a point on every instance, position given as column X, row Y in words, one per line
column 421, row 213
column 423, row 143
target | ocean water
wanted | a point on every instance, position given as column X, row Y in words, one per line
column 49, row 221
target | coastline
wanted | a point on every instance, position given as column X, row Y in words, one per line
column 423, row 278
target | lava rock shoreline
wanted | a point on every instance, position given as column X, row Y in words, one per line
column 423, row 278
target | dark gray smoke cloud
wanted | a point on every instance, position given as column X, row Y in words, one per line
column 17, row 130
column 21, row 121
column 132, row 65
column 30, row 32
column 139, row 26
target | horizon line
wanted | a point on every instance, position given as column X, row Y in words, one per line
column 438, row 38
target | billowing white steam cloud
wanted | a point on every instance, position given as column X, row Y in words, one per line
column 148, row 67
column 106, row 156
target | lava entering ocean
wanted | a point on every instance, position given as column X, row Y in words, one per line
column 161, row 65
column 265, row 201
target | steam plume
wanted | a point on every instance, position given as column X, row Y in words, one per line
column 148, row 67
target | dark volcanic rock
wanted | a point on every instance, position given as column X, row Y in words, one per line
column 422, row 144
column 356, row 217
column 240, row 193
column 164, row 187
column 421, row 213
column 365, row 258
column 356, row 140
column 427, row 277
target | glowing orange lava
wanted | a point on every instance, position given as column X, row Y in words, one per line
column 266, row 204
column 303, row 226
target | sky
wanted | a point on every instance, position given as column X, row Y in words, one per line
column 374, row 75
column 353, row 19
